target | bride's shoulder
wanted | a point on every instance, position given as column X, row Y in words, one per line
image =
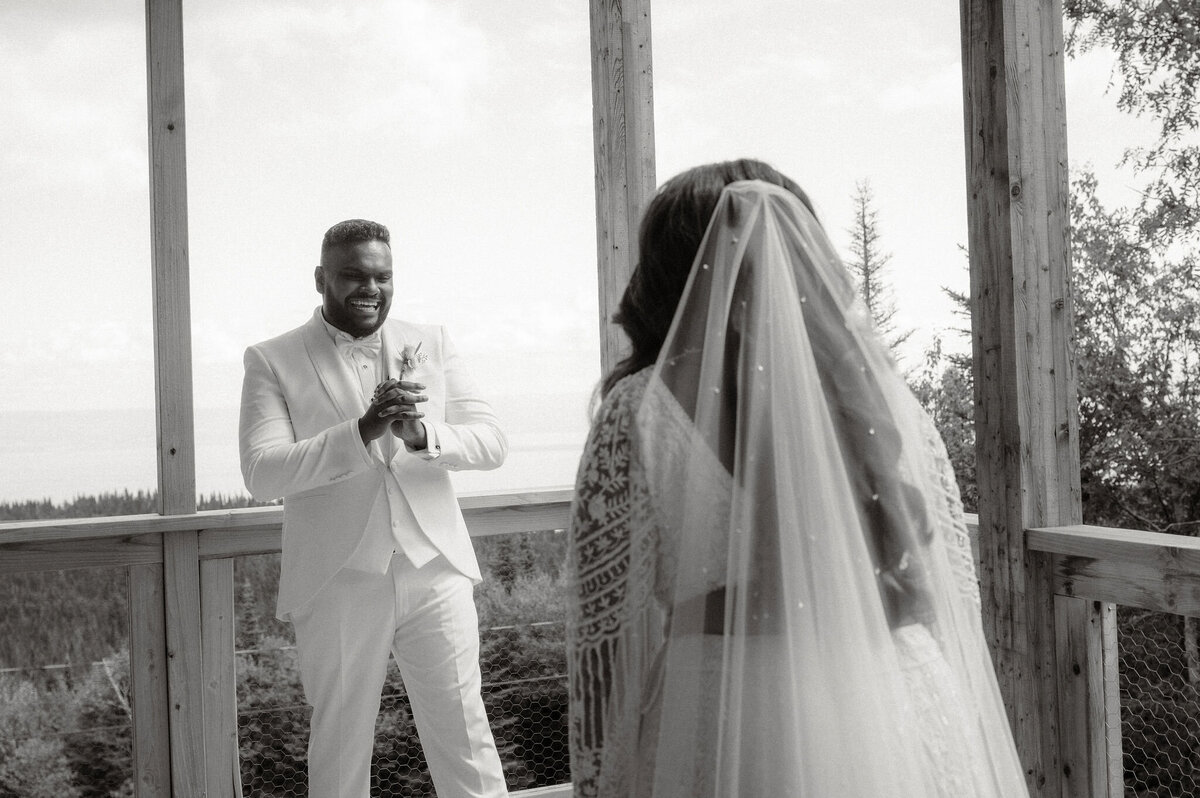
column 626, row 395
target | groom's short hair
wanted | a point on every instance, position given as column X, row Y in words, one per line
column 353, row 231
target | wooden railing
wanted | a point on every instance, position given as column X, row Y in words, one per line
column 207, row 743
column 1094, row 568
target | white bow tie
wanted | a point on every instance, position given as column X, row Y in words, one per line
column 369, row 345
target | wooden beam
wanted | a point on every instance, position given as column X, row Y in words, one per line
column 219, row 673
column 185, row 652
column 1141, row 585
column 61, row 555
column 148, row 683
column 1149, row 570
column 1025, row 415
column 623, row 141
column 169, row 250
column 1176, row 554
column 48, row 531
column 1089, row 698
column 518, row 513
column 554, row 791
column 173, row 388
column 485, row 513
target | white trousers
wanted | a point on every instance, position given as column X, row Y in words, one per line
column 426, row 617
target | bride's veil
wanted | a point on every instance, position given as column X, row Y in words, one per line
column 822, row 633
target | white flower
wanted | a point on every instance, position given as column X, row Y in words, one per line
column 410, row 358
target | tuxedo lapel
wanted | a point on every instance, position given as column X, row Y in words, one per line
column 340, row 384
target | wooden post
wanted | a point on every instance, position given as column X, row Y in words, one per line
column 148, row 683
column 1022, row 319
column 623, row 140
column 220, row 679
column 1089, row 701
column 169, row 247
column 173, row 390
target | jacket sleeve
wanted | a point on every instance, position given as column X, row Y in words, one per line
column 470, row 437
column 274, row 463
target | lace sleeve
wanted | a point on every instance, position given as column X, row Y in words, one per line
column 599, row 555
column 948, row 516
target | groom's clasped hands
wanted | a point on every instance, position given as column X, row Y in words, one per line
column 394, row 405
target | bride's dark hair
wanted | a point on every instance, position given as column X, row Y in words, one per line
column 672, row 228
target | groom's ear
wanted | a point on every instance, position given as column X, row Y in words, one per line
column 319, row 277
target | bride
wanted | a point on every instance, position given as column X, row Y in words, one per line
column 772, row 589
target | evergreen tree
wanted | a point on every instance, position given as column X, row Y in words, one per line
column 249, row 631
column 868, row 266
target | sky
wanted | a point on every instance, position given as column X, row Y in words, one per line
column 466, row 127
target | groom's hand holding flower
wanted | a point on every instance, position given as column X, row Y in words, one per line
column 394, row 406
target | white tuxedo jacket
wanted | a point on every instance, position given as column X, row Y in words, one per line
column 299, row 440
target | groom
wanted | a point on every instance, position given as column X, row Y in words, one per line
column 355, row 421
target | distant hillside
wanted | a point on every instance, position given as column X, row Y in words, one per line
column 78, row 616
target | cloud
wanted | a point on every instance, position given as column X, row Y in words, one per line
column 939, row 88
column 412, row 66
column 75, row 103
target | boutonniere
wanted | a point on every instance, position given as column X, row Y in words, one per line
column 410, row 358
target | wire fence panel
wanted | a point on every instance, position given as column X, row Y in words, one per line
column 1159, row 662
column 65, row 719
column 65, row 714
column 522, row 657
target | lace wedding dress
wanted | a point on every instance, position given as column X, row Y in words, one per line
column 613, row 572
column 772, row 590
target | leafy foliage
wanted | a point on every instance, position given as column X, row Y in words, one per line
column 944, row 387
column 1138, row 357
column 1157, row 49
column 1136, row 297
column 67, row 734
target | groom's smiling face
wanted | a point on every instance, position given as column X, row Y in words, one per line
column 355, row 280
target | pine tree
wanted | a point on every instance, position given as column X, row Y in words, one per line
column 868, row 267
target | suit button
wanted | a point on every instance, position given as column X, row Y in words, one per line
column 395, row 523
column 391, row 491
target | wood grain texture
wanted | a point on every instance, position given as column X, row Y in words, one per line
column 250, row 530
column 1089, row 699
column 554, row 791
column 1149, row 570
column 1177, row 552
column 623, row 142
column 219, row 672
column 1162, row 588
column 59, row 555
column 1027, row 442
column 148, row 683
column 65, row 530
column 185, row 691
column 169, row 257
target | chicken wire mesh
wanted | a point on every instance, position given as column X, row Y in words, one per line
column 66, row 732
column 66, row 727
column 1159, row 662
column 522, row 658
